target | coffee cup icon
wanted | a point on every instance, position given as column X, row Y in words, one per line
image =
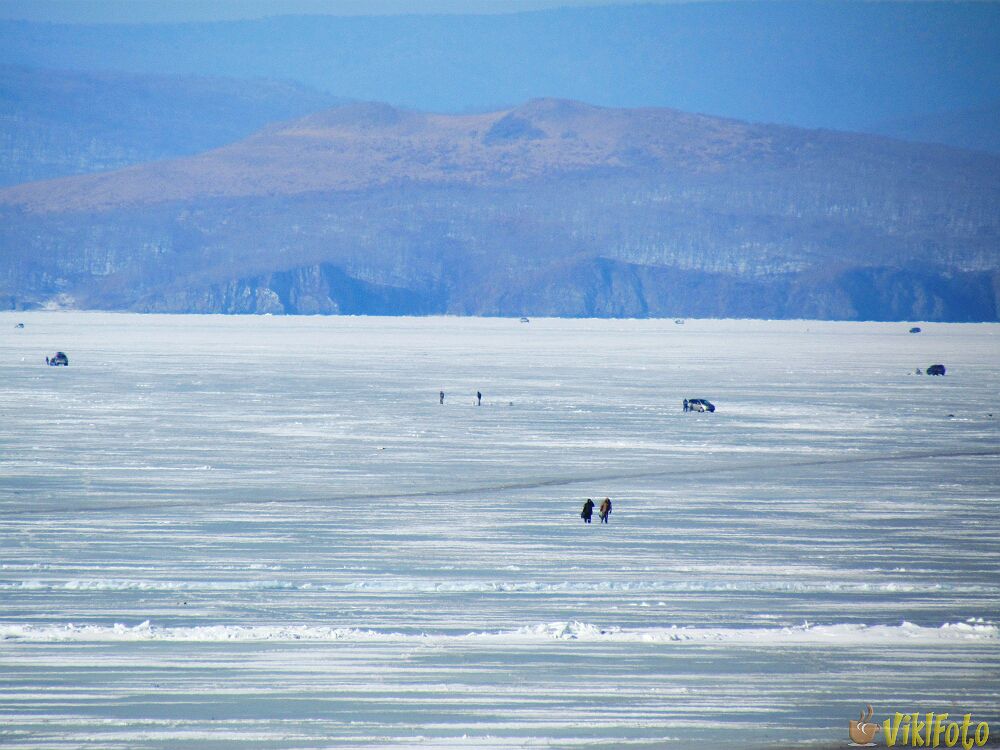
column 863, row 731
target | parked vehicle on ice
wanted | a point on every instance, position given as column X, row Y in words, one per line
column 58, row 359
column 700, row 404
column 935, row 370
column 915, row 329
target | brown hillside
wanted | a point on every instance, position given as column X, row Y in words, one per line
column 361, row 146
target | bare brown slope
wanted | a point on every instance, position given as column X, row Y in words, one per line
column 361, row 146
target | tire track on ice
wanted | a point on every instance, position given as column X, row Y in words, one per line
column 504, row 487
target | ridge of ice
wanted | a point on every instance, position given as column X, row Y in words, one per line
column 845, row 633
column 404, row 586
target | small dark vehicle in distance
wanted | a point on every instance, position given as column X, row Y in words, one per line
column 915, row 329
column 935, row 370
column 700, row 404
column 525, row 320
column 19, row 325
column 58, row 359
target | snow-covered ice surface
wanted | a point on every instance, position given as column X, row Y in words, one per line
column 222, row 532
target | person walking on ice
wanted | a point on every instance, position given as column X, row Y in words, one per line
column 588, row 511
column 441, row 395
column 479, row 398
column 605, row 510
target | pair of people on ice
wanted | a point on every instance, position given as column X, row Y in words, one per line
column 588, row 510
column 479, row 397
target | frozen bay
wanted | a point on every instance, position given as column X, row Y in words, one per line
column 266, row 532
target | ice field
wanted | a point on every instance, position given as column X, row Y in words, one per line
column 257, row 532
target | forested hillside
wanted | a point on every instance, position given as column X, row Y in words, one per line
column 554, row 207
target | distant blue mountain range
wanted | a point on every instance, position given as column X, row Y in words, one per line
column 553, row 208
column 558, row 182
column 57, row 123
column 853, row 65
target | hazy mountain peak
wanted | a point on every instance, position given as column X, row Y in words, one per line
column 555, row 108
column 367, row 145
column 360, row 115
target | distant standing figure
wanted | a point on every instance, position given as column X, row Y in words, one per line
column 588, row 511
column 685, row 404
column 605, row 510
column 479, row 398
column 441, row 394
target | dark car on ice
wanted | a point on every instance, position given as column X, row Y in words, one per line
column 700, row 404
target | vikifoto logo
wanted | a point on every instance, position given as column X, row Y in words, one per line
column 919, row 730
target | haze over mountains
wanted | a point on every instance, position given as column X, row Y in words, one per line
column 977, row 128
column 842, row 65
column 551, row 208
column 193, row 179
column 59, row 123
